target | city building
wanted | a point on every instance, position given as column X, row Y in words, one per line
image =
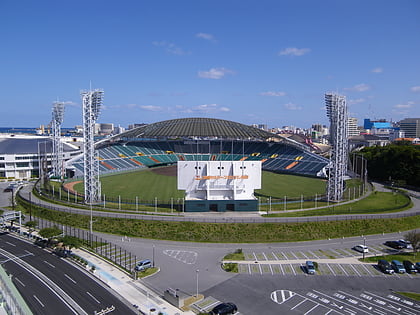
column 352, row 128
column 411, row 127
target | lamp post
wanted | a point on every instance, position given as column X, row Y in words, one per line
column 197, row 271
column 364, row 244
column 153, row 256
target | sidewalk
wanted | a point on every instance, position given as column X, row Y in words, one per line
column 132, row 290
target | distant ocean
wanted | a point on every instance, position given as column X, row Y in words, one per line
column 27, row 130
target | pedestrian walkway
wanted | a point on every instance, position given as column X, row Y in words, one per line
column 134, row 291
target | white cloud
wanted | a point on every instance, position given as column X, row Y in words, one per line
column 205, row 36
column 362, row 87
column 357, row 101
column 404, row 106
column 415, row 88
column 377, row 70
column 209, row 108
column 273, row 93
column 293, row 51
column 171, row 48
column 215, row 73
column 292, row 106
column 151, row 108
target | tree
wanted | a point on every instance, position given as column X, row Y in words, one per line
column 50, row 232
column 31, row 224
column 414, row 238
column 70, row 241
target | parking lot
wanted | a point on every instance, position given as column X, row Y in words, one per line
column 341, row 302
column 332, row 262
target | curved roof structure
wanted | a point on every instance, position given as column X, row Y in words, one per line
column 197, row 127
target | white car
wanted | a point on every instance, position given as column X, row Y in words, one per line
column 361, row 248
column 406, row 244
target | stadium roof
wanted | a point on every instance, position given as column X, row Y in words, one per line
column 28, row 145
column 197, row 127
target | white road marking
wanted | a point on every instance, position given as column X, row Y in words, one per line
column 356, row 271
column 11, row 244
column 68, row 277
column 21, row 283
column 275, row 256
column 339, row 265
column 304, row 300
column 293, row 269
column 36, row 298
column 313, row 254
column 94, row 298
column 332, row 271
column 316, row 305
column 265, row 257
column 281, row 267
column 271, row 269
column 49, row 264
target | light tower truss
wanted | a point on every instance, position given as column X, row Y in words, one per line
column 57, row 145
column 92, row 102
column 337, row 114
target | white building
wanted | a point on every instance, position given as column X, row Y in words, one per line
column 20, row 155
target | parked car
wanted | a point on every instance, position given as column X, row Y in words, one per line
column 409, row 266
column 224, row 309
column 310, row 267
column 417, row 264
column 398, row 266
column 361, row 248
column 385, row 266
column 143, row 265
column 394, row 244
column 405, row 244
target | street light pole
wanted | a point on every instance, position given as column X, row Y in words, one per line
column 364, row 244
column 197, row 271
column 153, row 256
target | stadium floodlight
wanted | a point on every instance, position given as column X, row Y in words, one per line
column 57, row 158
column 92, row 102
column 337, row 114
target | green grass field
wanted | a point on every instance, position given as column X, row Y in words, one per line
column 146, row 185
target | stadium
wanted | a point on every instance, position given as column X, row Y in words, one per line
column 203, row 140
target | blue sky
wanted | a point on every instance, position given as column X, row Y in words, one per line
column 266, row 61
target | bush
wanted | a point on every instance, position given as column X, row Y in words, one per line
column 230, row 267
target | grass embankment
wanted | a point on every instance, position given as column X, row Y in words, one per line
column 410, row 295
column 377, row 202
column 230, row 232
column 400, row 256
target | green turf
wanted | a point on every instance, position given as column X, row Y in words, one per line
column 147, row 185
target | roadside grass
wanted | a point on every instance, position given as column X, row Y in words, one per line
column 236, row 255
column 227, row 232
column 147, row 272
column 410, row 295
column 414, row 257
column 377, row 202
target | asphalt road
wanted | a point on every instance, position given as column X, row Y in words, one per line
column 89, row 294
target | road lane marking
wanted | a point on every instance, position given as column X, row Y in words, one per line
column 21, row 283
column 68, row 277
column 36, row 298
column 304, row 300
column 49, row 264
column 94, row 298
column 11, row 244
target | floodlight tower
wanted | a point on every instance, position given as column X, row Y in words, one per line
column 57, row 158
column 337, row 114
column 92, row 102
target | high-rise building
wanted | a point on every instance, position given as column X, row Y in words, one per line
column 352, row 128
column 411, row 127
